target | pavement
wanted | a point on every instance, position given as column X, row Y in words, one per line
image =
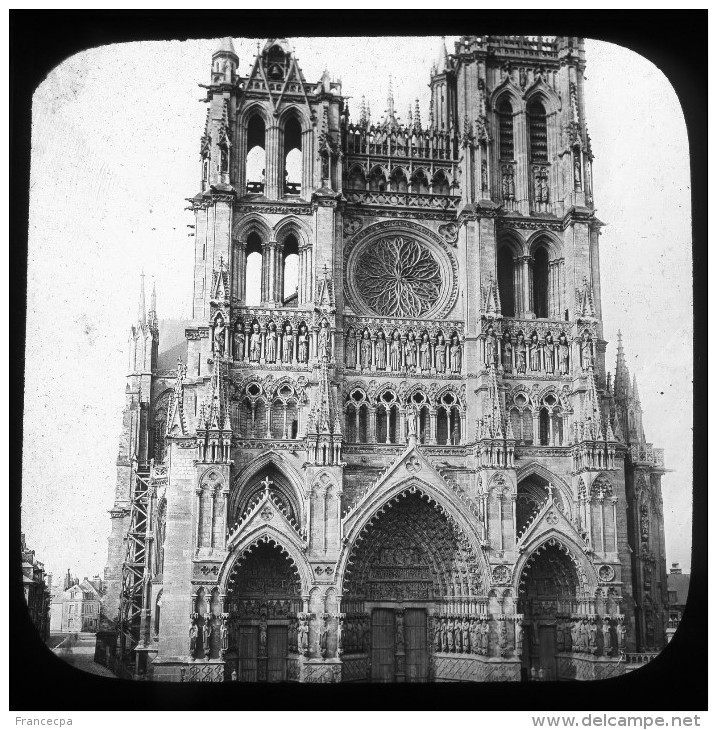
column 80, row 653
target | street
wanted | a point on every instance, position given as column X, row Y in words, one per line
column 80, row 653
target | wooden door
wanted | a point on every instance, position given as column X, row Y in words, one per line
column 248, row 652
column 416, row 645
column 278, row 648
column 547, row 650
column 383, row 649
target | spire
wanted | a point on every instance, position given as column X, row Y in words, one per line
column 622, row 375
column 442, row 61
column 410, row 117
column 141, row 310
column 363, row 117
column 592, row 415
column 390, row 120
column 153, row 321
column 635, row 393
column 226, row 47
column 417, row 117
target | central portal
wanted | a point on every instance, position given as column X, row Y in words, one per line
column 412, row 563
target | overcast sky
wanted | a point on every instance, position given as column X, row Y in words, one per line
column 115, row 152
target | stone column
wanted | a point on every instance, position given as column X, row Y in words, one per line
column 273, row 186
column 433, row 423
column 372, row 424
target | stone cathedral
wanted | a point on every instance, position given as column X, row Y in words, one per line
column 413, row 465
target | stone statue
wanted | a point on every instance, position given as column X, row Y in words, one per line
column 193, row 638
column 520, row 352
column 410, row 352
column 437, row 644
column 563, row 355
column 262, row 636
column 219, row 336
column 444, row 634
column 577, row 172
column 395, row 352
column 303, row 344
column 238, row 344
column 475, row 636
column 465, row 635
column 484, row 175
column 606, row 636
column 503, row 638
column 425, row 353
column 208, row 632
column 271, row 343
column 491, row 348
column 456, row 355
column 350, row 348
column 507, row 353
column 586, row 351
column 644, row 523
column 441, row 354
column 255, row 343
column 366, row 350
column 324, row 347
column 519, row 638
column 583, row 639
column 592, row 636
column 484, row 636
column 620, row 631
column 534, row 353
column 224, row 635
column 287, row 349
column 451, row 636
column 380, row 351
column 549, row 350
column 399, row 629
column 575, row 635
column 340, row 636
column 324, row 636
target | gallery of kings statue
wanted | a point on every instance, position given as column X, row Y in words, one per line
column 412, row 464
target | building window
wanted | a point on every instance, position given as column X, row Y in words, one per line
column 537, row 132
column 505, row 131
column 505, row 281
column 292, row 157
column 254, row 270
column 256, row 155
column 540, row 282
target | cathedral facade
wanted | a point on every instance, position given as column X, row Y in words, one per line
column 415, row 466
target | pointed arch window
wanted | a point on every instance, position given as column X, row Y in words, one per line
column 253, row 269
column 290, row 271
column 541, row 266
column 256, row 155
column 506, row 278
column 537, row 132
column 505, row 131
column 292, row 157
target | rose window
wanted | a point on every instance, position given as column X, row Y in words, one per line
column 398, row 277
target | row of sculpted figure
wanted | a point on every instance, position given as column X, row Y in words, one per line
column 355, row 634
column 201, row 633
column 402, row 354
column 546, row 355
column 275, row 343
column 585, row 634
column 460, row 634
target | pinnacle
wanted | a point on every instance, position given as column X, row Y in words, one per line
column 226, row 45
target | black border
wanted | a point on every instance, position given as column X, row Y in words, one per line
column 675, row 41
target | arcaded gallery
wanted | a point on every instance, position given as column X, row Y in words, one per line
column 390, row 449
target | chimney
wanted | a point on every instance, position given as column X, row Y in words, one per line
column 675, row 569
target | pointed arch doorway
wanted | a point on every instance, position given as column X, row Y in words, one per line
column 410, row 566
column 549, row 592
column 264, row 598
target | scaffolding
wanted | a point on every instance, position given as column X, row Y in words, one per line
column 136, row 576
